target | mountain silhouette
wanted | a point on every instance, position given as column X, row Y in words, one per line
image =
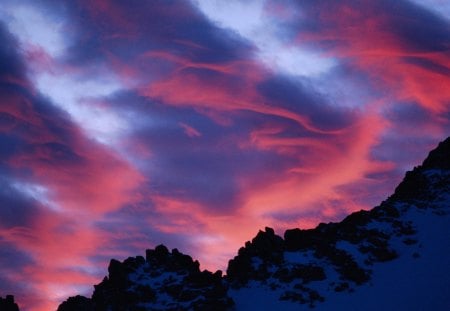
column 395, row 256
column 8, row 304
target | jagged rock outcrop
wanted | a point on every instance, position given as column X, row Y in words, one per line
column 303, row 266
column 77, row 303
column 163, row 280
column 340, row 256
column 422, row 183
column 8, row 304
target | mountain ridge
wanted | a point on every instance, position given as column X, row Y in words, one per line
column 314, row 268
column 8, row 303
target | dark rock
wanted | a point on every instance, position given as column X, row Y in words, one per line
column 309, row 273
column 132, row 263
column 303, row 295
column 413, row 186
column 439, row 158
column 240, row 268
column 384, row 254
column 342, row 287
column 360, row 218
column 131, row 283
column 296, row 239
column 274, row 262
column 267, row 247
column 409, row 241
column 77, row 303
column 8, row 304
column 346, row 265
column 265, row 244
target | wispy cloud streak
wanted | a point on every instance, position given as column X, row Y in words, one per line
column 128, row 124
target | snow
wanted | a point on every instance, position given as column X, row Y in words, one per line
column 300, row 257
column 407, row 283
column 255, row 297
column 419, row 279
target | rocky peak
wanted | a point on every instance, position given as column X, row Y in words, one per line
column 421, row 182
column 344, row 252
column 8, row 304
column 439, row 158
column 77, row 303
column 303, row 266
column 163, row 280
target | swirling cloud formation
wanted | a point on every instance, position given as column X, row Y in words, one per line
column 125, row 124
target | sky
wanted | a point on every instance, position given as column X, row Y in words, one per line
column 127, row 124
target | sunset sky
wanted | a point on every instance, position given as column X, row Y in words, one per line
column 126, row 124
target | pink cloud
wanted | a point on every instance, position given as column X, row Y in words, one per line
column 219, row 90
column 366, row 36
column 306, row 172
column 189, row 130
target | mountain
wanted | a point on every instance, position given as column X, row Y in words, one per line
column 8, row 304
column 393, row 257
column 162, row 280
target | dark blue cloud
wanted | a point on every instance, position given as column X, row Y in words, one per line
column 408, row 114
column 10, row 61
column 206, row 168
column 416, row 28
column 12, row 261
column 419, row 29
column 405, row 150
column 30, row 124
column 19, row 116
column 9, row 144
column 129, row 29
column 429, row 65
column 294, row 95
column 140, row 229
column 17, row 209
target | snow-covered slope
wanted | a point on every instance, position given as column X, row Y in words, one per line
column 162, row 281
column 410, row 270
column 393, row 257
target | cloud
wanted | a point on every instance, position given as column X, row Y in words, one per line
column 53, row 184
column 255, row 21
column 128, row 124
column 383, row 44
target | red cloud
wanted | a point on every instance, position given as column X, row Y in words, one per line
column 83, row 181
column 224, row 88
column 367, row 37
column 325, row 172
column 56, row 243
column 189, row 130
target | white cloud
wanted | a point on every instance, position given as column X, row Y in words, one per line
column 35, row 27
column 78, row 97
column 440, row 7
column 74, row 92
column 250, row 20
column 36, row 192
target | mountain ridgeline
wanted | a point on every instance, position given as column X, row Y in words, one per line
column 8, row 304
column 383, row 258
column 303, row 268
